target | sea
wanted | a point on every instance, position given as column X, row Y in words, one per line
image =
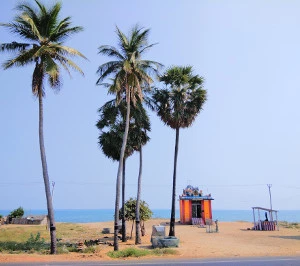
column 105, row 215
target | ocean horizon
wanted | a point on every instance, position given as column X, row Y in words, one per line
column 105, row 215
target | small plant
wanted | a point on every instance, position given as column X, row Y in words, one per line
column 62, row 250
column 72, row 249
column 90, row 249
column 35, row 242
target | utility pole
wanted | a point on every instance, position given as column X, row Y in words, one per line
column 269, row 186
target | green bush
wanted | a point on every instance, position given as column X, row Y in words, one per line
column 17, row 213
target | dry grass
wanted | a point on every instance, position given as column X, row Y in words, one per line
column 67, row 232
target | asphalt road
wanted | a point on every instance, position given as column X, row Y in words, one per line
column 265, row 261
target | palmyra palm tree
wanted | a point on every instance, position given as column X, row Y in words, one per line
column 130, row 73
column 44, row 34
column 112, row 124
column 178, row 106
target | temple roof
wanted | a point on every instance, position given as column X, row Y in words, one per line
column 193, row 193
column 196, row 198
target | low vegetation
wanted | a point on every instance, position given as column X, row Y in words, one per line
column 135, row 252
column 28, row 239
column 286, row 224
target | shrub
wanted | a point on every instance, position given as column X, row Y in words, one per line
column 35, row 242
column 17, row 213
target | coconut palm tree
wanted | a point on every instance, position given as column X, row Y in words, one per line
column 130, row 73
column 178, row 106
column 44, row 35
column 111, row 124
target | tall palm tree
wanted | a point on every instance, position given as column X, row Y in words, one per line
column 140, row 139
column 110, row 142
column 178, row 106
column 112, row 124
column 129, row 73
column 44, row 34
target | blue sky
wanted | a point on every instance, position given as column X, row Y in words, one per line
column 246, row 137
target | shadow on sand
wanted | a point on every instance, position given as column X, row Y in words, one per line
column 287, row 237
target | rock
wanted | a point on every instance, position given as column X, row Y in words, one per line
column 106, row 231
column 164, row 242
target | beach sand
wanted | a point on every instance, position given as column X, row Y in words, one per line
column 232, row 240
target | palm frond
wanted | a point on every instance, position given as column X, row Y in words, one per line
column 144, row 49
column 110, row 51
column 34, row 28
column 123, row 41
column 21, row 30
column 24, row 58
column 52, row 70
column 13, row 47
column 68, row 63
column 108, row 69
column 65, row 50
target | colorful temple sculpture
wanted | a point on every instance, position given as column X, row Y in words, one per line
column 195, row 208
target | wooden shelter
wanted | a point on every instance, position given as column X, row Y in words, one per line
column 195, row 208
column 266, row 223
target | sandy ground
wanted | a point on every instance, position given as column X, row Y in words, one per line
column 232, row 240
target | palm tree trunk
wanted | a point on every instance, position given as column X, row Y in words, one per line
column 123, row 204
column 118, row 182
column 131, row 229
column 138, row 198
column 172, row 220
column 46, row 177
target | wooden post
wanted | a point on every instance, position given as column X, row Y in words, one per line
column 259, row 221
column 254, row 217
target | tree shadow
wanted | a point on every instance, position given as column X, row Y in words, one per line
column 287, row 237
column 146, row 247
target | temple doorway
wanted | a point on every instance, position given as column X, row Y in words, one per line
column 196, row 209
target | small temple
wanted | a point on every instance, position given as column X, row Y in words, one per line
column 195, row 208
